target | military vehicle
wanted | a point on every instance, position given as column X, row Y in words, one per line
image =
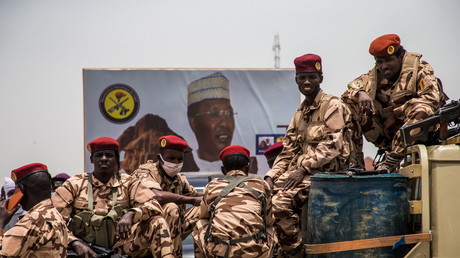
column 362, row 216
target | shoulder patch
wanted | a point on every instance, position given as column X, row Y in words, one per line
column 421, row 85
column 358, row 84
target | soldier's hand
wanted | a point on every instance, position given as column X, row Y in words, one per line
column 269, row 181
column 196, row 201
column 82, row 250
column 5, row 215
column 365, row 102
column 294, row 179
column 124, row 225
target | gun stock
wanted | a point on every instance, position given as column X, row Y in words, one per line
column 419, row 131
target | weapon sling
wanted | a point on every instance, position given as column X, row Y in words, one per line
column 236, row 182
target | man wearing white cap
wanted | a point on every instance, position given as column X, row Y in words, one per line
column 211, row 118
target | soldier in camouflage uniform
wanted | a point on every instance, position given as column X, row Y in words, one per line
column 139, row 227
column 42, row 231
column 173, row 190
column 236, row 214
column 400, row 90
column 317, row 140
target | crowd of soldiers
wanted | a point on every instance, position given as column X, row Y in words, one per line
column 144, row 214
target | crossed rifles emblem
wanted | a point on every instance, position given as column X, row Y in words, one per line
column 119, row 104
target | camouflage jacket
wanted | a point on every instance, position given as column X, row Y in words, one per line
column 314, row 138
column 154, row 178
column 41, row 232
column 72, row 197
column 239, row 213
column 405, row 96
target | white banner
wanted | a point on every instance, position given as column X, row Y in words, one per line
column 210, row 109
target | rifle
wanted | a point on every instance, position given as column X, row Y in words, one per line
column 100, row 251
column 419, row 132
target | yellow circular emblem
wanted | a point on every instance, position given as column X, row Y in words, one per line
column 119, row 103
column 163, row 143
column 390, row 50
column 318, row 66
column 13, row 177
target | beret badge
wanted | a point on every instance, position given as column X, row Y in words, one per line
column 318, row 66
column 390, row 50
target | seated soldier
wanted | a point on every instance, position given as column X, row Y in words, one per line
column 59, row 179
column 111, row 209
column 42, row 231
column 236, row 218
column 173, row 190
column 401, row 89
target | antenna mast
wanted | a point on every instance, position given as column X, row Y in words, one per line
column 276, row 49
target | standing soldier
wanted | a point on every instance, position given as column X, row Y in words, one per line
column 317, row 140
column 236, row 215
column 400, row 90
column 112, row 209
column 42, row 231
column 173, row 190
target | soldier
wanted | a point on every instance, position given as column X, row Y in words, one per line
column 236, row 215
column 59, row 179
column 173, row 190
column 272, row 152
column 400, row 90
column 316, row 141
column 42, row 231
column 112, row 209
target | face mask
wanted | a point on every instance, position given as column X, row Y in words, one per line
column 171, row 168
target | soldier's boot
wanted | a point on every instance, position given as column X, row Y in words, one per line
column 390, row 163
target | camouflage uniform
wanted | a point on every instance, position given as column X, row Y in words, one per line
column 315, row 141
column 149, row 233
column 42, row 232
column 180, row 220
column 237, row 215
column 406, row 99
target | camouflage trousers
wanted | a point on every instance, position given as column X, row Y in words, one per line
column 147, row 237
column 287, row 207
column 372, row 127
column 180, row 226
column 249, row 249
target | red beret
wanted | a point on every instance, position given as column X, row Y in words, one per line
column 273, row 150
column 172, row 142
column 385, row 45
column 62, row 176
column 20, row 173
column 234, row 149
column 103, row 143
column 308, row 63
